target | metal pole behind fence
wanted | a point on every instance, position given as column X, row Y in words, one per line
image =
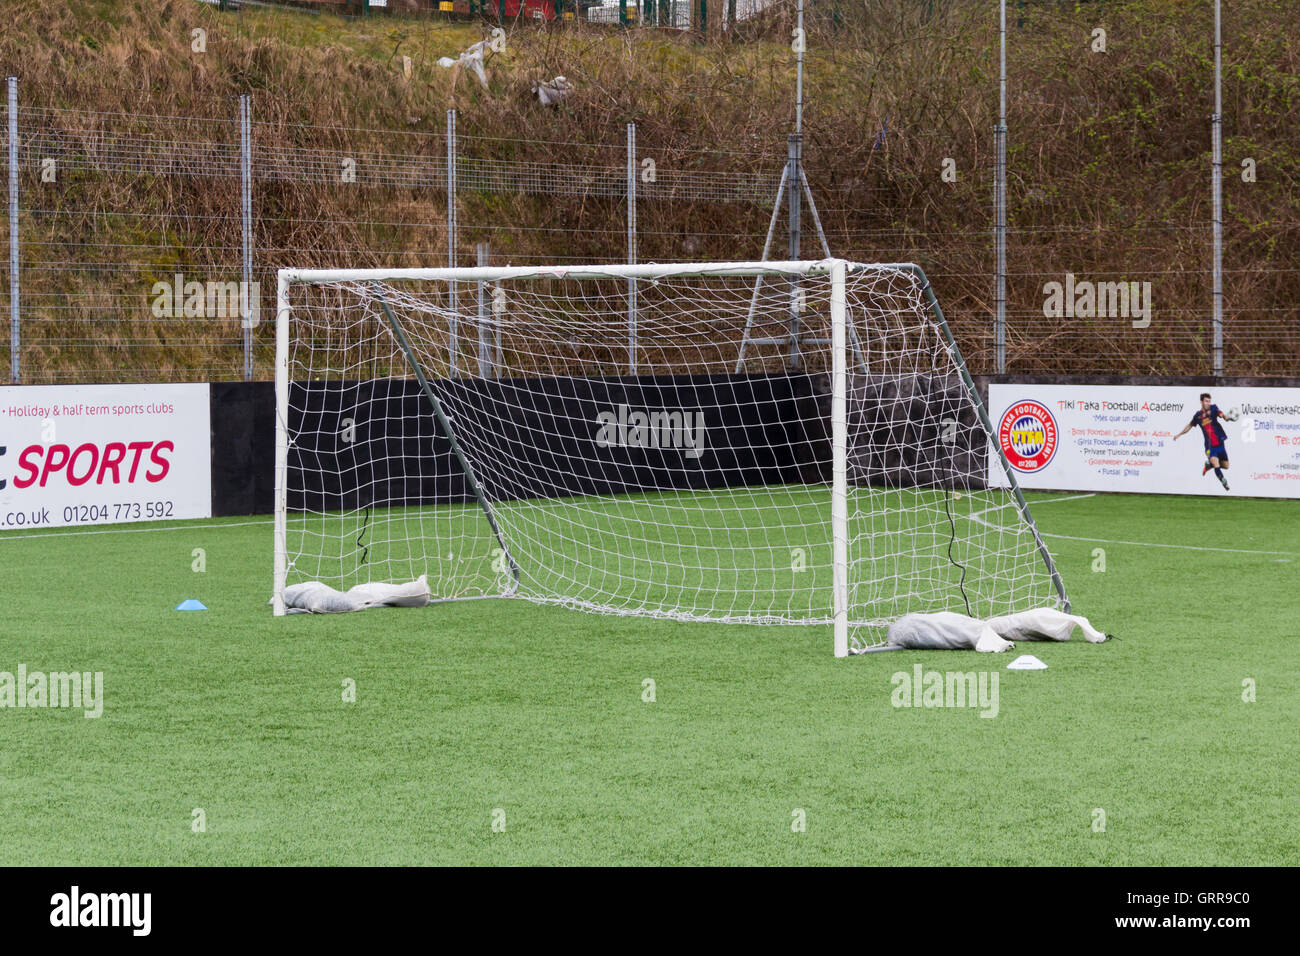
column 631, row 248
column 451, row 239
column 817, row 219
column 794, row 191
column 246, row 219
column 794, row 197
column 14, row 339
column 1000, row 203
column 798, row 86
column 758, row 279
column 1216, row 185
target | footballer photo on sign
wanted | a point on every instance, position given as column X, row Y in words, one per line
column 1208, row 418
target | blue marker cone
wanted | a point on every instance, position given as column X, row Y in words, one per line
column 190, row 605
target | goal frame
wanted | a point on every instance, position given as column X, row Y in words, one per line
column 836, row 270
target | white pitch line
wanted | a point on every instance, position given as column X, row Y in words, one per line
column 1158, row 544
column 976, row 516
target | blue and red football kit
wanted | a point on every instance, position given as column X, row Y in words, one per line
column 1212, row 432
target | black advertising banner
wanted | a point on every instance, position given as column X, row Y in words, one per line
column 555, row 437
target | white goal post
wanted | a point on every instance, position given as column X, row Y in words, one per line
column 743, row 443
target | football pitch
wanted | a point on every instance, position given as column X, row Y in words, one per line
column 505, row 732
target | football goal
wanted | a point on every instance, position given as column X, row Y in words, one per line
column 780, row 443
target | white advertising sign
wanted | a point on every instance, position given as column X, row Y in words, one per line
column 100, row 454
column 1122, row 438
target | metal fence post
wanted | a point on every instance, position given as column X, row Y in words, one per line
column 15, row 342
column 451, row 238
column 793, row 198
column 631, row 248
column 1216, row 187
column 1000, row 204
column 794, row 192
column 246, row 221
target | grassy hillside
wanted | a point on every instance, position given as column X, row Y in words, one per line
column 1108, row 159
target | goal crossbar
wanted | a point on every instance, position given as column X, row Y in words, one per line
column 647, row 270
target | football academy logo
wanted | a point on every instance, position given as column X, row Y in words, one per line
column 1027, row 434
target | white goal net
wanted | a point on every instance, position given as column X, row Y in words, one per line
column 760, row 443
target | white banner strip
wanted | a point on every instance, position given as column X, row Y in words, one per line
column 1150, row 438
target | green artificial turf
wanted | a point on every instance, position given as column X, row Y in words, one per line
column 758, row 554
column 468, row 708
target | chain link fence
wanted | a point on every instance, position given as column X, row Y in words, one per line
column 143, row 247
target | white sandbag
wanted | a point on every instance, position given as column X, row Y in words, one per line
column 411, row 594
column 1044, row 624
column 947, row 630
column 315, row 597
column 943, row 631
